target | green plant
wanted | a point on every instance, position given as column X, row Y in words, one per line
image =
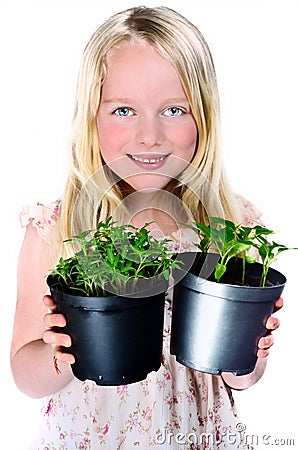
column 230, row 240
column 111, row 259
column 268, row 253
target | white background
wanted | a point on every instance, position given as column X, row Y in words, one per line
column 254, row 45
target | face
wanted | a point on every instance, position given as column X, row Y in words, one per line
column 147, row 134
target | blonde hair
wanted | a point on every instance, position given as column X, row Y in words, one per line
column 92, row 191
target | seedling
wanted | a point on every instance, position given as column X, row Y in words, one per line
column 112, row 258
column 230, row 240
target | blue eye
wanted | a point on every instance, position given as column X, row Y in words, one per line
column 123, row 111
column 174, row 111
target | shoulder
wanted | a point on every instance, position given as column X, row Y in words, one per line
column 44, row 217
column 250, row 214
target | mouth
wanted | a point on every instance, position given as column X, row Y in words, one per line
column 148, row 159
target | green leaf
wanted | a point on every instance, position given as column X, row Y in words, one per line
column 237, row 248
column 220, row 269
column 110, row 255
column 166, row 274
column 261, row 231
column 250, row 259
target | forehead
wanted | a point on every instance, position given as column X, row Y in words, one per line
column 138, row 64
column 131, row 49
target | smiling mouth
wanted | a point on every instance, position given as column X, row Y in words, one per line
column 147, row 159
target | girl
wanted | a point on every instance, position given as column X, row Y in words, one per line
column 144, row 148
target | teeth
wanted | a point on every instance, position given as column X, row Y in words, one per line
column 146, row 160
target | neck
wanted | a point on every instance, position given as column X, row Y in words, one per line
column 154, row 206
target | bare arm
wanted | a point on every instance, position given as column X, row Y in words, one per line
column 245, row 381
column 31, row 357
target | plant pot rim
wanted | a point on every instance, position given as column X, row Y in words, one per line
column 108, row 303
column 156, row 285
column 232, row 291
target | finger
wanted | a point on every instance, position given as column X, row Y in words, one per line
column 278, row 304
column 57, row 339
column 266, row 342
column 54, row 320
column 63, row 357
column 272, row 323
column 49, row 303
column 262, row 353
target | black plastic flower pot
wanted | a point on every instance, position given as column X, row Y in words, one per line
column 216, row 326
column 116, row 340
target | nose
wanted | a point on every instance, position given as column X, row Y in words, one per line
column 149, row 132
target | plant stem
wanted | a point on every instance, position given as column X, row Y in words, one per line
column 243, row 270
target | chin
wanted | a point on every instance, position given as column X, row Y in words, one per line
column 147, row 182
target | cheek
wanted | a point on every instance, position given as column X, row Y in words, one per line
column 186, row 139
column 111, row 140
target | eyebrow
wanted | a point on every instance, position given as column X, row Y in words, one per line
column 116, row 100
column 127, row 100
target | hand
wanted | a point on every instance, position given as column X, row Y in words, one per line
column 272, row 324
column 57, row 340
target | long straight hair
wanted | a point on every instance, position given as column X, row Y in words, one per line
column 92, row 191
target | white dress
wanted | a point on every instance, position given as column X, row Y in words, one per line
column 174, row 408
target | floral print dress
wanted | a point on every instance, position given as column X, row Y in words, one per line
column 173, row 408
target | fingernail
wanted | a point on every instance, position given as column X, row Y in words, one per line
column 65, row 342
column 70, row 359
column 60, row 321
